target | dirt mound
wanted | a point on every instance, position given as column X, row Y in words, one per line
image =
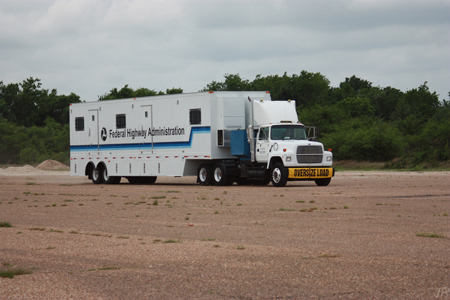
column 50, row 164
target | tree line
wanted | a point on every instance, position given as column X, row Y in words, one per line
column 357, row 120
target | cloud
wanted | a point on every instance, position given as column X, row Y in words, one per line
column 88, row 47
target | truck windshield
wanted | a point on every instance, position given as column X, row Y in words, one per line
column 288, row 132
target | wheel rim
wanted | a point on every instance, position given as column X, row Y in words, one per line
column 105, row 174
column 276, row 175
column 95, row 174
column 218, row 175
column 203, row 174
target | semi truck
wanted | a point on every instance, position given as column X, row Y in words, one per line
column 221, row 137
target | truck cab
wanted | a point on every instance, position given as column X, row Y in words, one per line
column 287, row 153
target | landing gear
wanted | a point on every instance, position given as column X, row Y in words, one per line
column 142, row 180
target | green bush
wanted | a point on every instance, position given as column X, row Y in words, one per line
column 365, row 141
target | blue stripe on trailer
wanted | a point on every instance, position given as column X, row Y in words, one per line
column 140, row 146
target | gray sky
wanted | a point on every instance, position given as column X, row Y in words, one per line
column 91, row 46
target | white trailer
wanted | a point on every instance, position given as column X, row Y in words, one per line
column 222, row 137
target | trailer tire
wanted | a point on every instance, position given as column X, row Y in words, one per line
column 279, row 175
column 148, row 180
column 134, row 180
column 116, row 179
column 323, row 182
column 205, row 176
column 96, row 176
column 108, row 179
column 220, row 177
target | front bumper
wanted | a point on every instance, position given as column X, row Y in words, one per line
column 310, row 173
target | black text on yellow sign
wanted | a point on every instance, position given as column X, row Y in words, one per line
column 305, row 173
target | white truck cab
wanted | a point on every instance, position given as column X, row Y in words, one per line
column 288, row 144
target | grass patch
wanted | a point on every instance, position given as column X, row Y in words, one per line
column 286, row 209
column 105, row 269
column 431, row 235
column 38, row 229
column 12, row 273
column 240, row 247
column 5, row 224
column 158, row 197
column 171, row 241
column 329, row 255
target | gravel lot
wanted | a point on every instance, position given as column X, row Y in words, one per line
column 354, row 239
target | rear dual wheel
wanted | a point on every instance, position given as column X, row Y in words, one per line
column 217, row 175
column 220, row 176
column 205, row 174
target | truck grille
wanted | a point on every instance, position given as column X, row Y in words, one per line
column 309, row 154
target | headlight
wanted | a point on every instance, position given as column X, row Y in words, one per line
column 329, row 158
column 288, row 158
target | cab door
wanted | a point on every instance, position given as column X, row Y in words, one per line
column 263, row 144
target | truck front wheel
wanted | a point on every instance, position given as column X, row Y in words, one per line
column 279, row 175
column 204, row 174
column 323, row 182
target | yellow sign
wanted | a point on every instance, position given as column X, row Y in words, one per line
column 314, row 173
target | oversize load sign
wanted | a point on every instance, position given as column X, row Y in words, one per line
column 306, row 173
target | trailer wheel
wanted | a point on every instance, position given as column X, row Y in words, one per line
column 148, row 180
column 205, row 174
column 279, row 175
column 96, row 176
column 219, row 175
column 323, row 182
column 134, row 180
column 115, row 179
column 105, row 177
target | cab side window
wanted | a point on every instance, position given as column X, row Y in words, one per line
column 264, row 133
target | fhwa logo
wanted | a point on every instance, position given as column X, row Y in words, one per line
column 103, row 134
